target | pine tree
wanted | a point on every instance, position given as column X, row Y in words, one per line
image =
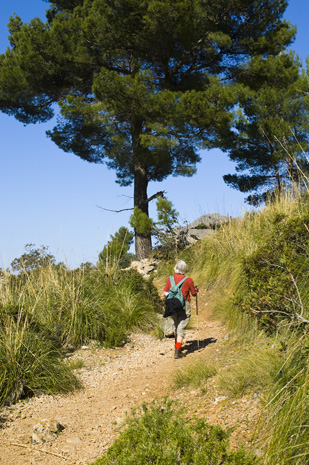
column 142, row 85
column 271, row 140
column 116, row 250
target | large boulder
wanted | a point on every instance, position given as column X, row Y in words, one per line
column 194, row 234
column 209, row 221
column 202, row 227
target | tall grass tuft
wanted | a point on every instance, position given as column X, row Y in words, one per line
column 30, row 364
column 253, row 371
column 195, row 374
column 126, row 309
column 287, row 415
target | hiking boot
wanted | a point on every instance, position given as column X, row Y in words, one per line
column 177, row 353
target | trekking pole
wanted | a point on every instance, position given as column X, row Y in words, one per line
column 198, row 336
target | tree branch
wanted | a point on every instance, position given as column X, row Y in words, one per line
column 154, row 196
column 26, row 446
column 115, row 211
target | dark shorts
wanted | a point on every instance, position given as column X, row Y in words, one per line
column 181, row 320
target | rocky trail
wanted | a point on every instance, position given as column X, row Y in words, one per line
column 117, row 380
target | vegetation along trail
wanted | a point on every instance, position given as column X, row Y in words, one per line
column 117, row 380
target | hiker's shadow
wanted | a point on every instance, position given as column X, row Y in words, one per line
column 192, row 346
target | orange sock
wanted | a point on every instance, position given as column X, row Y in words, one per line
column 178, row 345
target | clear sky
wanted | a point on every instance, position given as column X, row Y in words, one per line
column 50, row 198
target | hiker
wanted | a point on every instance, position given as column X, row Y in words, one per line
column 181, row 317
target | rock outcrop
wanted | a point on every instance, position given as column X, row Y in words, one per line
column 202, row 227
column 145, row 266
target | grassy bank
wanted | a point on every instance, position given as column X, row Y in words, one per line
column 48, row 311
column 256, row 269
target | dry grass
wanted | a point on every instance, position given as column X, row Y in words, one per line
column 195, row 374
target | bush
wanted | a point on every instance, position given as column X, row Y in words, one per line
column 115, row 252
column 30, row 364
column 277, row 273
column 33, row 259
column 162, row 436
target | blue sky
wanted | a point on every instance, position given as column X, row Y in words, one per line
column 50, row 198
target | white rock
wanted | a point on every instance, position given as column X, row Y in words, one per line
column 219, row 399
column 45, row 431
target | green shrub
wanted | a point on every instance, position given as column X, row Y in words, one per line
column 200, row 226
column 170, row 238
column 115, row 252
column 160, row 435
column 277, row 273
column 141, row 222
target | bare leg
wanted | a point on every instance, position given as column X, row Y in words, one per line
column 178, row 344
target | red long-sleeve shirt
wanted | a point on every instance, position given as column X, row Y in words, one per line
column 187, row 287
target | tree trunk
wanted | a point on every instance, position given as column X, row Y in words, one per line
column 143, row 247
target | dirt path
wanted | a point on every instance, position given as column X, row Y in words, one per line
column 116, row 380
